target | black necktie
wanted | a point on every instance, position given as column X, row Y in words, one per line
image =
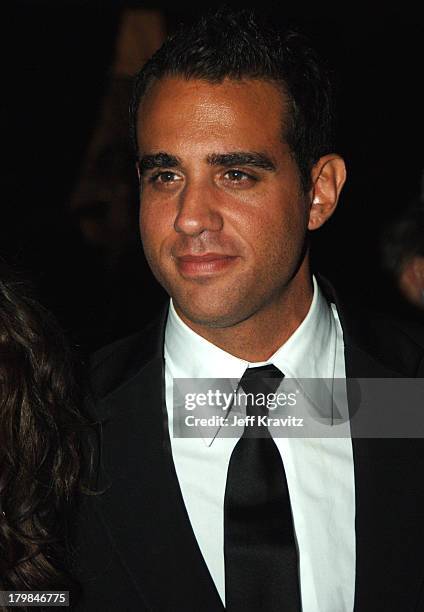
column 261, row 565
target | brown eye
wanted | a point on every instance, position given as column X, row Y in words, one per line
column 237, row 175
column 163, row 177
column 239, row 179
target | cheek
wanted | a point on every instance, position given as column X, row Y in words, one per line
column 152, row 238
column 145, row 223
column 154, row 227
column 277, row 238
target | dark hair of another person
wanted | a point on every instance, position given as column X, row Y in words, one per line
column 39, row 443
column 240, row 45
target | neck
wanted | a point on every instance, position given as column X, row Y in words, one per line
column 260, row 335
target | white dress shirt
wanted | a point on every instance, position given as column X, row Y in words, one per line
column 320, row 472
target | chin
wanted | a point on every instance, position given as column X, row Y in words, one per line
column 210, row 315
column 212, row 304
column 206, row 317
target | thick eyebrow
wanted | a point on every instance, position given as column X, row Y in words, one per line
column 158, row 160
column 235, row 158
column 242, row 158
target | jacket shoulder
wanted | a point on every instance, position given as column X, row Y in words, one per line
column 114, row 364
column 403, row 341
column 397, row 343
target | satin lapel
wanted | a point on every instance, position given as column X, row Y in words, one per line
column 142, row 507
column 389, row 508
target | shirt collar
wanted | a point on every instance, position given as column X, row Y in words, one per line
column 308, row 353
column 192, row 356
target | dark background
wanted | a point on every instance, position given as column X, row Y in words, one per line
column 55, row 61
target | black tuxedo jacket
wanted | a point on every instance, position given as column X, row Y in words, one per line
column 135, row 548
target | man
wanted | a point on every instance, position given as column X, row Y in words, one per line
column 232, row 124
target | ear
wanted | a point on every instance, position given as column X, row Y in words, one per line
column 137, row 168
column 328, row 177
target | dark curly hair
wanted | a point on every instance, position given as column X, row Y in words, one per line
column 39, row 442
column 241, row 44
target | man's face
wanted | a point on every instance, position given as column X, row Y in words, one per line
column 223, row 216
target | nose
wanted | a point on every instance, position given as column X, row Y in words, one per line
column 198, row 210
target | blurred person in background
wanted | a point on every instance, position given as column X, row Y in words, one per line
column 402, row 247
column 104, row 202
column 40, row 459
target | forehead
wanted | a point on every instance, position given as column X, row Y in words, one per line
column 241, row 113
